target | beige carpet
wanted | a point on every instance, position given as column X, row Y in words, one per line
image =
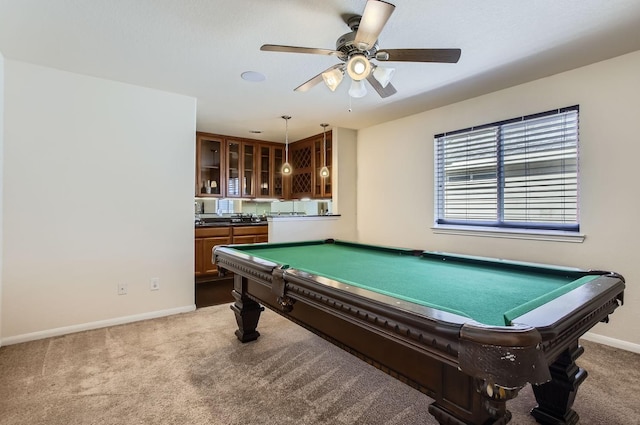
column 190, row 369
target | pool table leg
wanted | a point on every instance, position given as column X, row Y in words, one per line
column 463, row 400
column 555, row 398
column 445, row 418
column 247, row 311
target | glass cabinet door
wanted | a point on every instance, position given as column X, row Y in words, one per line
column 248, row 169
column 278, row 183
column 318, row 159
column 233, row 168
column 239, row 168
column 209, row 166
column 322, row 186
column 264, row 188
column 327, row 181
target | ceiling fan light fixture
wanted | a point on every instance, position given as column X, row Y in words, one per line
column 358, row 67
column 357, row 89
column 357, row 49
column 333, row 78
column 383, row 75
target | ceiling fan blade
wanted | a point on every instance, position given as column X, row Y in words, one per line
column 420, row 55
column 309, row 84
column 375, row 16
column 315, row 80
column 382, row 91
column 295, row 49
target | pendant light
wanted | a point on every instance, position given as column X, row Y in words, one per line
column 286, row 167
column 324, row 171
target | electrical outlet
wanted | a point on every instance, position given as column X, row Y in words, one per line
column 122, row 289
column 155, row 283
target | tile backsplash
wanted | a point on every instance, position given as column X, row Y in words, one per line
column 222, row 207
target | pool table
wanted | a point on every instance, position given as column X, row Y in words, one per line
column 469, row 332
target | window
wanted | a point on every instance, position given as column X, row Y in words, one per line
column 519, row 173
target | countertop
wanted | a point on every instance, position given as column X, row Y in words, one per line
column 263, row 221
column 228, row 223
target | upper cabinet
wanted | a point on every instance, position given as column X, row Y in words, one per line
column 241, row 168
column 269, row 164
column 249, row 169
column 280, row 189
column 233, row 167
column 209, row 165
column 308, row 156
column 301, row 158
column 238, row 168
column 321, row 158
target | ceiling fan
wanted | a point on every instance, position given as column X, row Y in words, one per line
column 359, row 47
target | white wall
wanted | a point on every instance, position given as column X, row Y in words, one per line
column 345, row 173
column 98, row 190
column 395, row 206
column 2, row 176
column 301, row 228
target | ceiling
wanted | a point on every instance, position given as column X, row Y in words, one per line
column 200, row 48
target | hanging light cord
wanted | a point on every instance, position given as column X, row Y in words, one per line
column 324, row 172
column 324, row 144
column 286, row 139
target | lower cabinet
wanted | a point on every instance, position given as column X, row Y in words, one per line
column 211, row 288
column 205, row 240
column 250, row 234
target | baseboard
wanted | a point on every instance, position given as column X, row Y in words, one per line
column 612, row 342
column 589, row 336
column 95, row 325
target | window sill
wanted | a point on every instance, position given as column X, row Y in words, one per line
column 529, row 234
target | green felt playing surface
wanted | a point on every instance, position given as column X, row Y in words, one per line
column 488, row 293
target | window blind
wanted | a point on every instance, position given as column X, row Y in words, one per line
column 519, row 173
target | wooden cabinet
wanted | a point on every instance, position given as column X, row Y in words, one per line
column 301, row 158
column 249, row 169
column 207, row 248
column 241, row 167
column 210, row 175
column 210, row 288
column 265, row 171
column 321, row 158
column 269, row 165
column 206, row 239
column 307, row 159
column 233, row 167
column 250, row 234
column 238, row 168
column 279, row 182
